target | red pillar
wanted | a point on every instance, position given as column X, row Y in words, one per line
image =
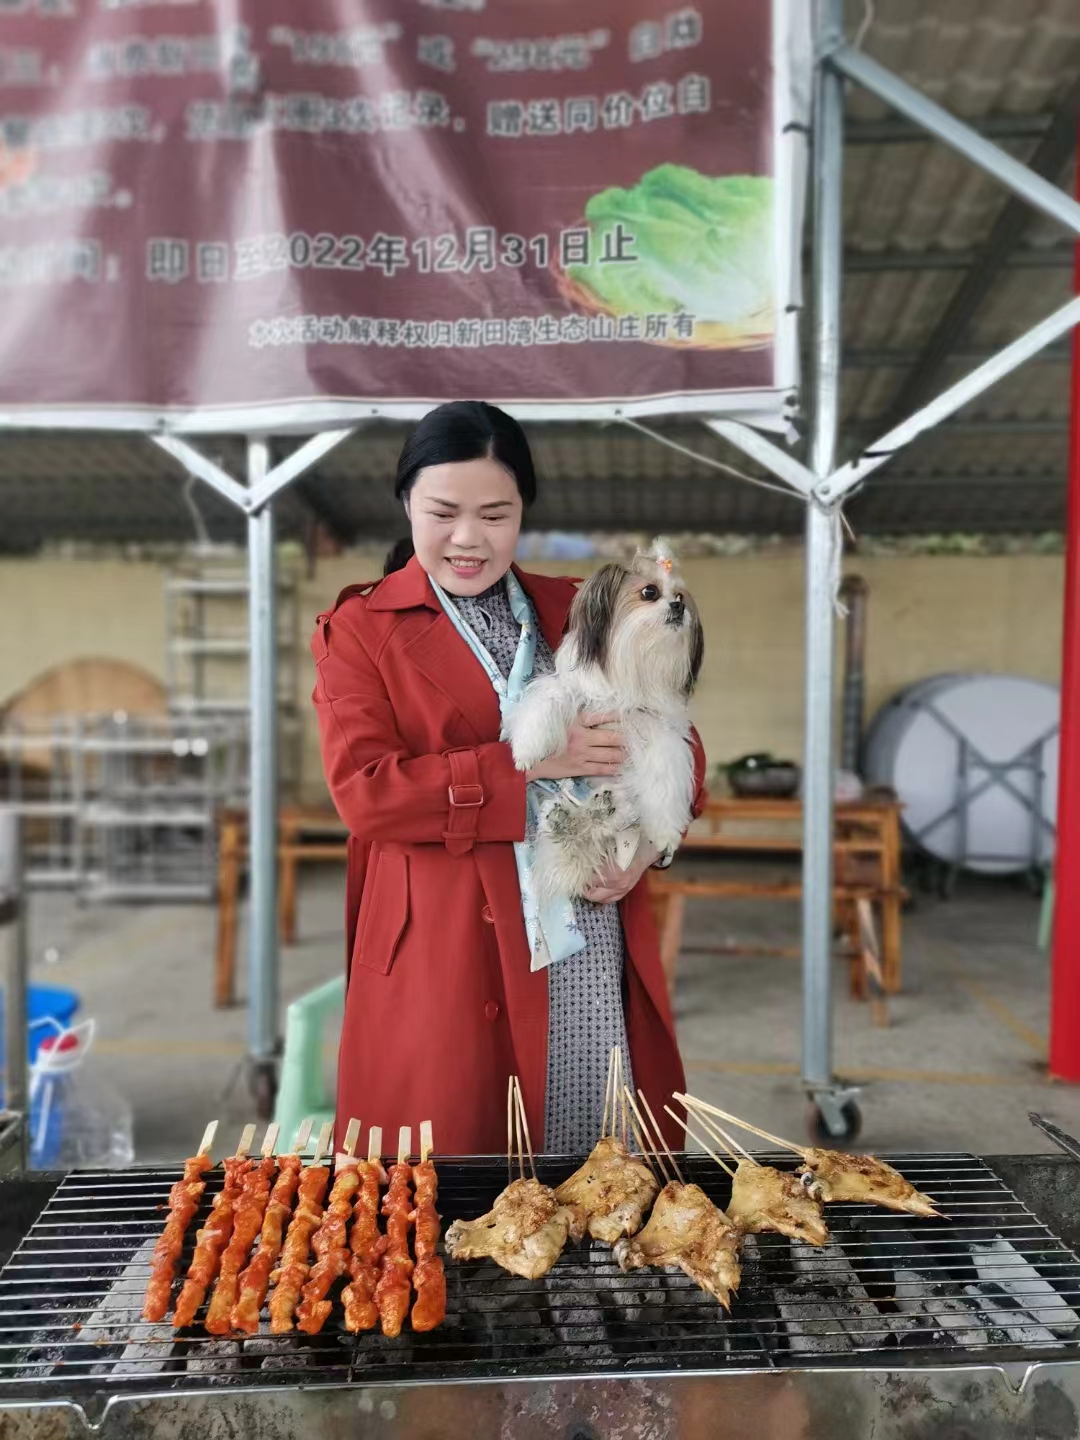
column 1065, row 976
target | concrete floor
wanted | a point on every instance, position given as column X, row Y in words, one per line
column 958, row 1068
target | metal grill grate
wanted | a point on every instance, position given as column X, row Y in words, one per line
column 990, row 1283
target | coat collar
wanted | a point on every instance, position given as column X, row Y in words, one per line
column 410, row 589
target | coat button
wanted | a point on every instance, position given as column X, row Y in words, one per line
column 491, row 1009
column 486, row 915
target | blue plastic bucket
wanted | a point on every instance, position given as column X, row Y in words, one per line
column 43, row 1003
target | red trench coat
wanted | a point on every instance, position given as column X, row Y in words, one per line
column 441, row 1006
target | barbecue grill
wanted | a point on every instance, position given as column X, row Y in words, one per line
column 894, row 1323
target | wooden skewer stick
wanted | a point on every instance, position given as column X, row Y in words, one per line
column 348, row 1145
column 658, row 1132
column 269, row 1141
column 510, row 1130
column 404, row 1144
column 651, row 1159
column 303, row 1135
column 620, row 1093
column 374, row 1145
column 648, row 1148
column 247, row 1139
column 525, row 1126
column 731, row 1145
column 707, row 1148
column 206, row 1144
column 322, row 1145
column 427, row 1142
column 753, row 1129
column 607, row 1092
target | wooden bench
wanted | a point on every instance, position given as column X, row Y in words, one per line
column 866, row 860
column 305, row 833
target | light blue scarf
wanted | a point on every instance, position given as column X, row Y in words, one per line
column 551, row 926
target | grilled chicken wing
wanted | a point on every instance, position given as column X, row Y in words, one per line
column 613, row 1187
column 525, row 1231
column 763, row 1198
column 686, row 1230
column 831, row 1175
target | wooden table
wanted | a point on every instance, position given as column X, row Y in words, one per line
column 866, row 868
column 304, row 833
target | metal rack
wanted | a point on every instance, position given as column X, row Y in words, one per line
column 123, row 808
column 989, row 1285
column 208, row 650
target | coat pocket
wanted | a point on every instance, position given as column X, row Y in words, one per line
column 384, row 913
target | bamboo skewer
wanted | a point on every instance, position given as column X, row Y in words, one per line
column 206, row 1144
column 427, row 1140
column 270, row 1140
column 657, row 1131
column 303, row 1135
column 608, row 1092
column 708, row 1150
column 348, row 1145
column 322, row 1145
column 525, row 1129
column 510, row 1130
column 651, row 1153
column 622, row 1097
column 745, row 1125
column 731, row 1145
column 404, row 1144
column 374, row 1146
column 247, row 1139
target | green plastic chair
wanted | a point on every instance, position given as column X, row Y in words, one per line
column 1046, row 914
column 301, row 1089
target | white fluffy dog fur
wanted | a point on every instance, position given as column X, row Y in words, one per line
column 634, row 648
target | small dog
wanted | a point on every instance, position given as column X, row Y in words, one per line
column 634, row 647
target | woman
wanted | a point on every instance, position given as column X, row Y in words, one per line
column 442, row 1005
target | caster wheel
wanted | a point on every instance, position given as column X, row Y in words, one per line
column 263, row 1090
column 819, row 1132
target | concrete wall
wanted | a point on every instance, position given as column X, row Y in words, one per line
column 926, row 614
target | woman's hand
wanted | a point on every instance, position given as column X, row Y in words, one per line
column 612, row 883
column 592, row 750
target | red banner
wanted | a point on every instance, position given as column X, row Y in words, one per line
column 351, row 207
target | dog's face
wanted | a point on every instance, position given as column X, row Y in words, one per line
column 640, row 626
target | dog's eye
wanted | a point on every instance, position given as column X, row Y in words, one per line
column 650, row 592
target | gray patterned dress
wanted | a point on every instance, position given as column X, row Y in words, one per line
column 585, row 991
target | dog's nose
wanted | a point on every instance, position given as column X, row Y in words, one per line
column 676, row 610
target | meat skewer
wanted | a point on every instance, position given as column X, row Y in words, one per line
column 293, row 1271
column 613, row 1187
column 832, row 1175
column 429, row 1277
column 365, row 1243
column 394, row 1288
column 329, row 1241
column 184, row 1200
column 685, row 1231
column 214, row 1236
column 527, row 1228
column 255, row 1281
column 247, row 1222
column 762, row 1197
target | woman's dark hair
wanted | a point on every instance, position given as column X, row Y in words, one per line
column 462, row 430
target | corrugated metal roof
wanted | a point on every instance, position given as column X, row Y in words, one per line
column 916, row 216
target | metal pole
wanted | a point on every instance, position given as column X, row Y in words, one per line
column 13, row 928
column 821, row 537
column 1065, row 975
column 262, row 821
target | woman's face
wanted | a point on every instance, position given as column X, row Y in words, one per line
column 465, row 519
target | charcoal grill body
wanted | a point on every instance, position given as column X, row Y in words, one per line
column 903, row 1329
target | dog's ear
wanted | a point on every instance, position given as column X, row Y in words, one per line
column 697, row 645
column 592, row 613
